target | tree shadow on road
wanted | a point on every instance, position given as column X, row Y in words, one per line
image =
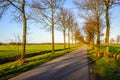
column 63, row 69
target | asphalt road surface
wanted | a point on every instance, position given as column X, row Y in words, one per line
column 72, row 66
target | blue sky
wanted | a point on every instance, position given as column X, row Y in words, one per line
column 10, row 28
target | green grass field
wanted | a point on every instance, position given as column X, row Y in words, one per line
column 114, row 49
column 13, row 50
column 105, row 68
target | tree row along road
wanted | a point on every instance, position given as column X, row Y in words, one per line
column 73, row 66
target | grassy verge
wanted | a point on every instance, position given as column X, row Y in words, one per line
column 104, row 68
column 11, row 69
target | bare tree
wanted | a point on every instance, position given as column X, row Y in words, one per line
column 19, row 7
column 62, row 23
column 45, row 12
column 112, row 41
column 94, row 7
column 108, row 5
column 78, row 37
column 74, row 25
column 118, row 39
column 15, row 46
column 69, row 24
column 90, row 30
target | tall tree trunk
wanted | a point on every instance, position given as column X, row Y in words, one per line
column 98, row 34
column 107, row 32
column 69, row 37
column 72, row 37
column 52, row 31
column 24, row 31
column 92, row 44
column 75, row 42
column 64, row 39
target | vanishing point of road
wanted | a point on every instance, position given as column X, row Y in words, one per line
column 72, row 66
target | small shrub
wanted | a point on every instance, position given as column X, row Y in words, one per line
column 101, row 54
column 110, row 55
column 118, row 57
column 114, row 55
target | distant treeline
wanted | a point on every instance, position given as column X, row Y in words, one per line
column 1, row 43
column 17, row 43
column 11, row 43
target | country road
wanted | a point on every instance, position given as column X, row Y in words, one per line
column 72, row 66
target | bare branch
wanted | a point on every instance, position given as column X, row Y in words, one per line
column 14, row 5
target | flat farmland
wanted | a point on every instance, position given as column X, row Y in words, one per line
column 113, row 49
column 13, row 50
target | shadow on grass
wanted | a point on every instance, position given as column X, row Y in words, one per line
column 14, row 58
column 104, row 68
